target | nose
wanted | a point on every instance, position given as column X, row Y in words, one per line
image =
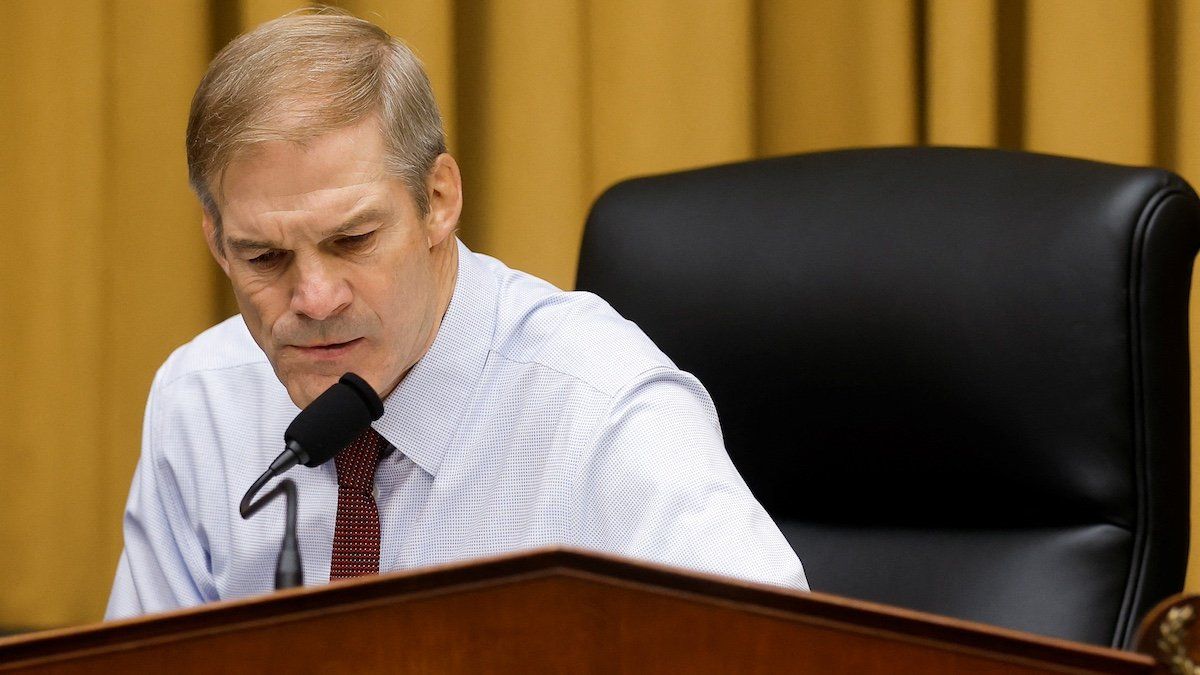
column 320, row 291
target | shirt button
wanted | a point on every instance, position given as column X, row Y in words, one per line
column 375, row 492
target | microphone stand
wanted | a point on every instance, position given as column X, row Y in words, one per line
column 289, row 571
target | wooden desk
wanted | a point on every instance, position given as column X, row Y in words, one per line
column 552, row 610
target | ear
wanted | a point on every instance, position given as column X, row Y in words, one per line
column 444, row 187
column 209, row 225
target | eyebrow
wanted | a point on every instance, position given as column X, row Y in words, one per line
column 367, row 215
column 248, row 244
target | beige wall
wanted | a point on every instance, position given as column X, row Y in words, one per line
column 547, row 103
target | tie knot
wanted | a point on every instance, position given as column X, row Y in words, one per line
column 356, row 463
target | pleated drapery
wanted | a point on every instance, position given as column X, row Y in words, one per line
column 546, row 103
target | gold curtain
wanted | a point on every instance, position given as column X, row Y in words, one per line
column 547, row 104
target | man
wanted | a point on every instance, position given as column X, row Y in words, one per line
column 516, row 415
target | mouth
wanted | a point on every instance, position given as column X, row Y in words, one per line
column 327, row 350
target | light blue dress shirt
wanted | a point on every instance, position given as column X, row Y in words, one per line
column 537, row 418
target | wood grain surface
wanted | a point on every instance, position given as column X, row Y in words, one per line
column 552, row 610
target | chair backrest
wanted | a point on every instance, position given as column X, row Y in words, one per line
column 957, row 378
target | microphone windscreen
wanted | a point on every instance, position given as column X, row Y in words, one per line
column 334, row 418
column 366, row 392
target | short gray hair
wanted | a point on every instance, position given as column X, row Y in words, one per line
column 304, row 75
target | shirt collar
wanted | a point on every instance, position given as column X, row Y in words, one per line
column 422, row 413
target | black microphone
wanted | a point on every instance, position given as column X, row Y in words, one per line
column 323, row 428
column 329, row 423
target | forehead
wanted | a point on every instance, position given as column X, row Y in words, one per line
column 333, row 170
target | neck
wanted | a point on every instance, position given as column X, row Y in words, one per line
column 447, row 273
column 446, row 268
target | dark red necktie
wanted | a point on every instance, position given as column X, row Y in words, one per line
column 356, row 532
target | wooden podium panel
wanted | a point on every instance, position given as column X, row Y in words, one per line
column 552, row 610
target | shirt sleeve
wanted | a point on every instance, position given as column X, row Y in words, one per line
column 163, row 558
column 658, row 485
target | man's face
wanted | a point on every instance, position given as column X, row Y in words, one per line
column 333, row 268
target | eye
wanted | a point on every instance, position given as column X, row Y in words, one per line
column 356, row 242
column 267, row 259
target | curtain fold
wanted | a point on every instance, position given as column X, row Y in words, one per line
column 668, row 89
column 1087, row 95
column 835, row 74
column 546, row 105
column 521, row 130
column 53, row 207
column 961, row 51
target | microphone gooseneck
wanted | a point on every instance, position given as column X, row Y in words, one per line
column 319, row 432
column 289, row 572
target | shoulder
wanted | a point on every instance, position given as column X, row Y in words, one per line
column 224, row 357
column 225, row 345
column 214, row 402
column 576, row 334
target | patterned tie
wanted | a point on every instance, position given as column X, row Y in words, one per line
column 356, row 532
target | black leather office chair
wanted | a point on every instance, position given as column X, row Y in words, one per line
column 957, row 379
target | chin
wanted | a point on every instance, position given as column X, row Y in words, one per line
column 304, row 389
